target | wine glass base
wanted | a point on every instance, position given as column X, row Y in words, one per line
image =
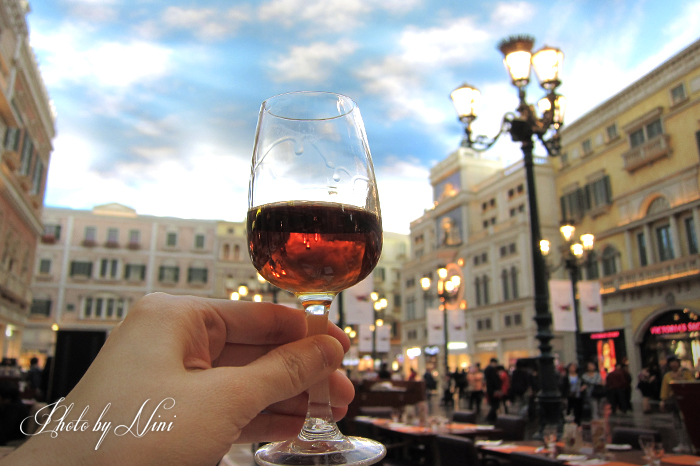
column 355, row 451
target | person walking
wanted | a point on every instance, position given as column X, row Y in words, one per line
column 616, row 384
column 475, row 380
column 646, row 382
column 668, row 399
column 592, row 384
column 493, row 389
column 572, row 388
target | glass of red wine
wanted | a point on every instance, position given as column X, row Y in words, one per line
column 314, row 229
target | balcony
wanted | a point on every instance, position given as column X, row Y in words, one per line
column 11, row 158
column 651, row 275
column 647, row 153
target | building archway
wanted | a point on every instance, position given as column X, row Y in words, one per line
column 670, row 330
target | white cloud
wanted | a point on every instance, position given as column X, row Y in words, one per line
column 72, row 55
column 206, row 23
column 457, row 41
column 313, row 63
column 404, row 192
column 512, row 13
column 332, row 15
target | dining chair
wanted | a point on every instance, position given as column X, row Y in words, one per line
column 513, row 426
column 454, row 451
column 526, row 459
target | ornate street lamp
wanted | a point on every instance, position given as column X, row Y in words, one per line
column 524, row 125
column 575, row 257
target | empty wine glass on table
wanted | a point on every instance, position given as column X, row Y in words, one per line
column 549, row 436
column 314, row 229
column 646, row 443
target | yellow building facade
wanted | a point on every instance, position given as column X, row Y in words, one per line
column 630, row 174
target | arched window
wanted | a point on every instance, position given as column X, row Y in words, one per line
column 236, row 253
column 227, row 251
column 592, row 266
column 659, row 204
column 609, row 257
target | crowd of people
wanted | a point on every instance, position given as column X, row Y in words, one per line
column 584, row 391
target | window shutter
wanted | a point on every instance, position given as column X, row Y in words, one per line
column 206, row 275
column 161, row 273
column 143, row 272
column 608, row 189
column 562, row 200
column 177, row 274
column 587, row 198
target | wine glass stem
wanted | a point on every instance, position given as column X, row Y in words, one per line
column 319, row 424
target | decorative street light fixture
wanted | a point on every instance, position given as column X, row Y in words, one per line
column 379, row 305
column 576, row 257
column 448, row 292
column 524, row 126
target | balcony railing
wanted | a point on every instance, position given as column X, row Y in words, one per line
column 647, row 153
column 652, row 274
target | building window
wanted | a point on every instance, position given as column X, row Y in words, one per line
column 52, row 232
column 410, row 308
column 591, row 266
column 134, row 238
column 108, row 307
column 477, row 288
column 486, row 224
column 504, row 284
column 511, row 248
column 514, row 281
column 171, row 239
column 169, row 273
column 513, row 211
column 411, row 282
column 586, row 146
column 112, row 236
column 380, row 274
column 517, row 319
column 599, row 192
column 197, row 275
column 504, row 251
column 521, row 208
column 37, row 176
column 642, row 247
column 12, row 139
column 663, row 242
column 484, row 257
column 81, row 268
column 108, row 268
column 45, row 266
column 27, row 152
column 87, row 308
column 41, row 307
column 507, row 320
column 199, row 241
column 135, row 272
column 90, row 234
column 612, row 133
column 609, row 258
column 646, row 133
column 654, row 129
column 690, row 234
column 483, row 324
column 485, row 283
column 637, row 137
column 520, row 188
column 678, row 94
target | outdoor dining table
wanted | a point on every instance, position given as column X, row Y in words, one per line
column 611, row 458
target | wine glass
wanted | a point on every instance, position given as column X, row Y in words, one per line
column 646, row 443
column 314, row 229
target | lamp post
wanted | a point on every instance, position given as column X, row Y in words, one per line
column 523, row 127
column 448, row 292
column 379, row 305
column 575, row 256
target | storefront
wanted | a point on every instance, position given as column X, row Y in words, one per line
column 605, row 348
column 674, row 332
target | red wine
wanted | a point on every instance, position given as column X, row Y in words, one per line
column 305, row 246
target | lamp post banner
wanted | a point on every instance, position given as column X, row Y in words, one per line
column 436, row 333
column 457, row 327
column 590, row 306
column 384, row 339
column 365, row 335
column 561, row 297
column 358, row 305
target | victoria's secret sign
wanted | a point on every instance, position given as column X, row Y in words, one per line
column 675, row 328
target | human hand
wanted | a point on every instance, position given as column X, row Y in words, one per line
column 236, row 370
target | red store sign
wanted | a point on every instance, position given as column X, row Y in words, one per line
column 675, row 328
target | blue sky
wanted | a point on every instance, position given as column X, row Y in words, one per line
column 157, row 101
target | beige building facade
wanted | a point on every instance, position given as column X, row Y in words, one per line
column 630, row 174
column 92, row 266
column 479, row 222
column 27, row 128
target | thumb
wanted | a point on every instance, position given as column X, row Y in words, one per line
column 290, row 369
